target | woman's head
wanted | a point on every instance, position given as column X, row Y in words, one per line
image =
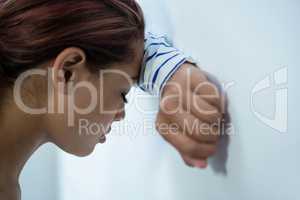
column 74, row 42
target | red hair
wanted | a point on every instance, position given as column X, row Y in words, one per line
column 34, row 31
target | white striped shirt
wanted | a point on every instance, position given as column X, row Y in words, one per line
column 161, row 61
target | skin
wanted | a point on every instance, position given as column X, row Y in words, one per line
column 197, row 107
column 18, row 143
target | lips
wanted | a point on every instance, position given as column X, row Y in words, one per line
column 102, row 139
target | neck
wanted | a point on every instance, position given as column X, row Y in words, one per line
column 19, row 138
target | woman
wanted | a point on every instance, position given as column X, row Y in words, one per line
column 55, row 57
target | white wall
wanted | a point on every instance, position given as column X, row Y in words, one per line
column 39, row 179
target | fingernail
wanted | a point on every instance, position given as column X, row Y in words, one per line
column 200, row 164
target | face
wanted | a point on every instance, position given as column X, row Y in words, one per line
column 86, row 103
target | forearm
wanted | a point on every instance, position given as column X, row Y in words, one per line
column 161, row 61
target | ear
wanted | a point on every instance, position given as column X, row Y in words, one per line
column 67, row 66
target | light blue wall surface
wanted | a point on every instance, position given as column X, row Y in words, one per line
column 39, row 179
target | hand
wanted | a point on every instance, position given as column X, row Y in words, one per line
column 191, row 115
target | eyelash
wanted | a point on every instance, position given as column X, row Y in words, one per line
column 124, row 97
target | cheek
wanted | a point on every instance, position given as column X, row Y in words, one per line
column 111, row 96
column 68, row 138
column 85, row 100
column 80, row 139
column 97, row 107
column 90, row 120
column 110, row 104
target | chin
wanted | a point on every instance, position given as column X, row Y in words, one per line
column 84, row 152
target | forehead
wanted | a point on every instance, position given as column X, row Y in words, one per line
column 133, row 68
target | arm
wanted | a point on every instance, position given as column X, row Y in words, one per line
column 190, row 105
column 161, row 61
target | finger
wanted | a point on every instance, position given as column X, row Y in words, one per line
column 207, row 87
column 205, row 134
column 174, row 100
column 202, row 164
column 194, row 128
column 197, row 76
column 210, row 93
column 189, row 147
column 202, row 109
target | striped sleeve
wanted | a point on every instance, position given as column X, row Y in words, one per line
column 161, row 61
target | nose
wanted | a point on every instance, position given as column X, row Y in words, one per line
column 120, row 115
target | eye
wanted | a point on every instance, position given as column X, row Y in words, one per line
column 124, row 97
